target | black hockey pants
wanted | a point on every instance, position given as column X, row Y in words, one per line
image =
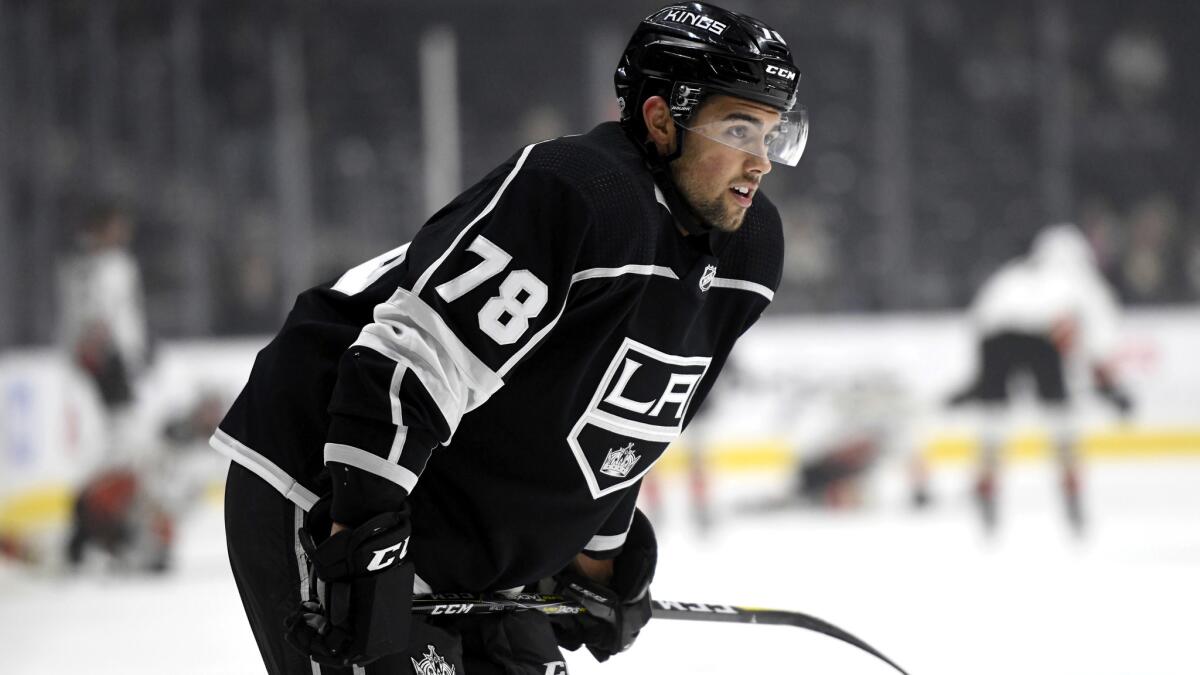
column 260, row 531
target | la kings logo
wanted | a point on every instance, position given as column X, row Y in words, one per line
column 637, row 410
column 432, row 664
column 619, row 462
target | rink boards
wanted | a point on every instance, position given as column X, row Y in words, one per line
column 804, row 384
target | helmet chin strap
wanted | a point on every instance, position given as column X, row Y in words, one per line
column 660, row 170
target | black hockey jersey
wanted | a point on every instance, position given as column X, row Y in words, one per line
column 513, row 371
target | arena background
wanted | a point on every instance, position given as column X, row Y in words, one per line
column 265, row 147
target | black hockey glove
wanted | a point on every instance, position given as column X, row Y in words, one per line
column 361, row 589
column 617, row 612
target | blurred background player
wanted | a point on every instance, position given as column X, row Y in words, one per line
column 837, row 431
column 856, row 423
column 102, row 321
column 102, row 329
column 128, row 511
column 1051, row 317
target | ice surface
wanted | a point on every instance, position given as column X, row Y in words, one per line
column 925, row 588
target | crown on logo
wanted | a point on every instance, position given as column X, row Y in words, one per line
column 619, row 462
column 432, row 664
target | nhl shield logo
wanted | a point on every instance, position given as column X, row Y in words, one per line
column 706, row 279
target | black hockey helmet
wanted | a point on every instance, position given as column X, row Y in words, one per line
column 684, row 52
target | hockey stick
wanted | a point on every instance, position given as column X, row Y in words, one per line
column 466, row 603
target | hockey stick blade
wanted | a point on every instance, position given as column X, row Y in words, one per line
column 468, row 603
column 697, row 611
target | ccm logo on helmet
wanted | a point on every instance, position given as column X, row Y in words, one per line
column 698, row 20
column 781, row 72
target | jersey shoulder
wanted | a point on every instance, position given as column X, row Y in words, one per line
column 605, row 169
column 603, row 165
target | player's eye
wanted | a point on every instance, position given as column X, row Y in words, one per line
column 738, row 131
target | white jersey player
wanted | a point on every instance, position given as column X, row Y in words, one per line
column 102, row 324
column 1049, row 316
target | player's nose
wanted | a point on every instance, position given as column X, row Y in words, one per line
column 757, row 166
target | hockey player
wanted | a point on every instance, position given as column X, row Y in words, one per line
column 102, row 323
column 1038, row 317
column 102, row 329
column 473, row 411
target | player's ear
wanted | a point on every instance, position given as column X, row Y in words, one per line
column 660, row 127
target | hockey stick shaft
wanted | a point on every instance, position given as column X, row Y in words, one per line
column 465, row 603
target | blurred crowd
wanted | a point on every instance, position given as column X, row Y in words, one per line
column 263, row 147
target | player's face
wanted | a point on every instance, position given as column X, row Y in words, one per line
column 724, row 159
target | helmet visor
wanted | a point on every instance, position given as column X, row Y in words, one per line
column 784, row 143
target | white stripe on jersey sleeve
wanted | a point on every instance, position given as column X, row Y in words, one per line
column 397, row 413
column 409, row 332
column 358, row 278
column 371, row 463
column 743, row 285
column 263, row 468
column 424, row 279
column 606, row 542
column 647, row 270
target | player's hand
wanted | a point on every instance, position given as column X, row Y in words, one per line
column 1120, row 400
column 1108, row 389
column 616, row 612
column 361, row 589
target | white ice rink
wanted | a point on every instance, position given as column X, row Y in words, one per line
column 925, row 588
